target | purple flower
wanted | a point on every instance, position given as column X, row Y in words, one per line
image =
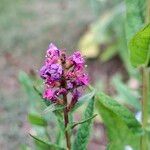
column 77, row 58
column 84, row 79
column 63, row 75
column 69, row 85
column 42, row 72
column 53, row 51
column 51, row 72
column 55, row 71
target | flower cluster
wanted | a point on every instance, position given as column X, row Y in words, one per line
column 63, row 75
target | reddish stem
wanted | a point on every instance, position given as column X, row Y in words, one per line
column 66, row 121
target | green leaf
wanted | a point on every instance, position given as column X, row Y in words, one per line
column 125, row 93
column 32, row 92
column 82, row 137
column 24, row 147
column 119, row 122
column 120, row 111
column 37, row 91
column 135, row 16
column 44, row 145
column 118, row 133
column 60, row 121
column 37, row 120
column 47, row 103
column 140, row 47
column 26, row 82
column 60, row 135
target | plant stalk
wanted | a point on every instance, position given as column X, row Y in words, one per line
column 147, row 18
column 145, row 104
column 66, row 121
column 66, row 118
column 145, row 92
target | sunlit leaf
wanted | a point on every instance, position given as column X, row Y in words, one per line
column 139, row 47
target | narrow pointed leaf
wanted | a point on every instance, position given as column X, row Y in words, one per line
column 60, row 121
column 71, row 126
column 47, row 103
column 26, row 83
column 83, row 133
column 83, row 121
column 44, row 145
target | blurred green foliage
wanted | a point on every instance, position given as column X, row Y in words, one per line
column 125, row 94
column 106, row 37
column 135, row 18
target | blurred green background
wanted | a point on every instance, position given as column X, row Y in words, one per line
column 27, row 28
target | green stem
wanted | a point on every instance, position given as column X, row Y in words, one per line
column 145, row 92
column 145, row 104
column 147, row 18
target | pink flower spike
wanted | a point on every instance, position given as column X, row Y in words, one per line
column 63, row 75
column 48, row 94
